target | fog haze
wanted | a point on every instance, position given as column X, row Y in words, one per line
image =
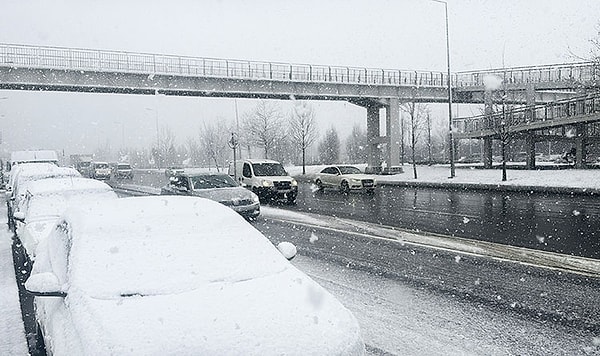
column 399, row 34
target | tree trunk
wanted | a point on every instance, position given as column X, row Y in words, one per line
column 503, row 161
column 303, row 160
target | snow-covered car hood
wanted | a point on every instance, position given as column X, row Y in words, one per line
column 282, row 313
column 224, row 194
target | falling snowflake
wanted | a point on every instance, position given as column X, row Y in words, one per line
column 541, row 239
column 466, row 220
column 313, row 238
column 457, row 259
column 576, row 212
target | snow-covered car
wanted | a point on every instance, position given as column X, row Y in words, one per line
column 27, row 172
column 100, row 170
column 122, row 171
column 170, row 275
column 46, row 199
column 219, row 187
column 345, row 178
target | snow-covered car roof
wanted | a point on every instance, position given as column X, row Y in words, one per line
column 47, row 199
column 180, row 275
column 53, row 185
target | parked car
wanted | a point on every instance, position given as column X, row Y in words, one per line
column 170, row 275
column 26, row 172
column 266, row 178
column 123, row 171
column 215, row 186
column 345, row 179
column 46, row 199
column 100, row 170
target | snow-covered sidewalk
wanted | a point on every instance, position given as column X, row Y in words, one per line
column 12, row 332
column 560, row 178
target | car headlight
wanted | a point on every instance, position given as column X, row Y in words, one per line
column 255, row 198
column 267, row 183
column 354, row 180
column 294, row 183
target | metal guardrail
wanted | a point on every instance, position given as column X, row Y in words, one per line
column 24, row 56
column 582, row 72
column 113, row 61
column 522, row 117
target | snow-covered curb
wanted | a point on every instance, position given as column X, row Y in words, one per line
column 579, row 265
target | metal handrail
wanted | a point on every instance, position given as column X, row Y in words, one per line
column 45, row 57
column 526, row 115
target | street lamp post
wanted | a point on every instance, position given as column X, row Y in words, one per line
column 449, row 84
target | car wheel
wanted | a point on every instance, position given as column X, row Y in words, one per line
column 319, row 184
column 345, row 188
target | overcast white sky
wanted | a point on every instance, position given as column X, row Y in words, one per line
column 394, row 34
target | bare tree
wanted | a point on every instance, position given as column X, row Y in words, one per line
column 264, row 126
column 303, row 129
column 163, row 151
column 195, row 152
column 213, row 141
column 356, row 145
column 416, row 116
column 329, row 148
column 428, row 128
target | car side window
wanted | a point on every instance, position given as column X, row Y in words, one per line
column 246, row 171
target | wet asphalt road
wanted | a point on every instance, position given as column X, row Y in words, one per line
column 562, row 223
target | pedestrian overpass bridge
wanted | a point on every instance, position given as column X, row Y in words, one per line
column 98, row 71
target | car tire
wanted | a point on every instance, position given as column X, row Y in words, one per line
column 319, row 185
column 344, row 187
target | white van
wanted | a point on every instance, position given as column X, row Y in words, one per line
column 266, row 178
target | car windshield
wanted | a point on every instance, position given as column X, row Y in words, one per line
column 101, row 165
column 268, row 169
column 123, row 166
column 349, row 170
column 210, row 181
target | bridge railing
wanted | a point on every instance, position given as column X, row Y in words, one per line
column 582, row 72
column 518, row 118
column 115, row 61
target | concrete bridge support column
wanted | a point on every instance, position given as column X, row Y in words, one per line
column 487, row 152
column 393, row 132
column 488, row 109
column 530, row 150
column 373, row 139
column 530, row 101
column 580, row 146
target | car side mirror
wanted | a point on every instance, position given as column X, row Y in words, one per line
column 19, row 216
column 287, row 249
column 44, row 284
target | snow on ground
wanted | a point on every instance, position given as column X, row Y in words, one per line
column 572, row 178
column 12, row 332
